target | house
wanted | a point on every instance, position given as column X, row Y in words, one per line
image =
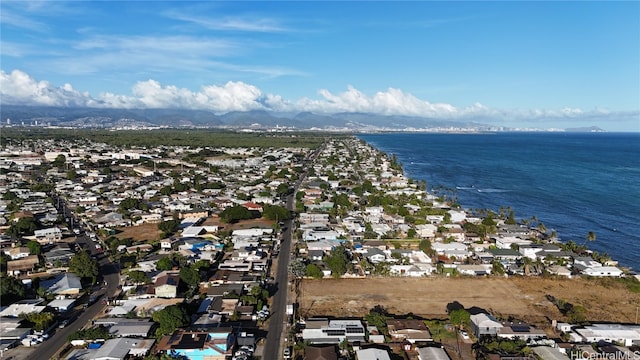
column 505, row 254
column 143, row 248
column 115, row 349
column 214, row 345
column 166, row 286
column 62, row 305
column 452, row 249
column 58, row 255
column 626, row 335
column 251, row 206
column 507, row 242
column 27, row 264
column 123, row 327
column 375, row 255
column 325, row 331
column 312, row 352
column 22, row 307
column 432, row 353
column 560, row 270
column 11, row 332
column 475, row 270
column 18, row 252
column 549, row 353
column 426, row 230
column 412, row 270
column 167, row 244
column 48, row 236
column 522, row 331
column 315, row 255
column 372, row 354
column 408, row 329
column 484, row 324
column 63, row 284
column 531, row 250
column 602, row 271
column 307, row 218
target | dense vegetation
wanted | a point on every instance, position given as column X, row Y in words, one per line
column 167, row 137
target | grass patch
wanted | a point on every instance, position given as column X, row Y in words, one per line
column 439, row 331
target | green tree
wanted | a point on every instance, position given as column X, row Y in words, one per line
column 34, row 247
column 275, row 212
column 190, row 277
column 378, row 317
column 93, row 333
column 337, row 261
column 297, row 268
column 282, row 189
column 460, row 317
column 314, row 271
column 59, row 161
column 40, row 320
column 24, row 226
column 169, row 227
column 164, row 264
column 84, row 266
column 235, row 213
column 138, row 277
column 11, row 289
column 170, row 318
column 72, row 174
column 591, row 236
column 577, row 314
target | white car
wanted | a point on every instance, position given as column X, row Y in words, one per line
column 464, row 335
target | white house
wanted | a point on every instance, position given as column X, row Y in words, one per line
column 505, row 242
column 324, row 331
column 602, row 271
column 48, row 236
column 484, row 324
column 624, row 334
column 372, row 354
column 426, row 230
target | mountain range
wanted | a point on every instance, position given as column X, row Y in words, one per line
column 258, row 119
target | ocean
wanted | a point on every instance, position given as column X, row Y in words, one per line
column 573, row 183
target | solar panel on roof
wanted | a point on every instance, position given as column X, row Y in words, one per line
column 520, row 328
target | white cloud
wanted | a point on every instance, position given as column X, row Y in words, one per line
column 19, row 88
column 228, row 23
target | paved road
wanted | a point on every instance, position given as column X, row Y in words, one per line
column 278, row 320
column 110, row 273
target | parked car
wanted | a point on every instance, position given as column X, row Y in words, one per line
column 287, row 353
column 464, row 334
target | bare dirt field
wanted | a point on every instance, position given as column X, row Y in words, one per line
column 522, row 298
column 150, row 232
column 244, row 224
column 144, row 232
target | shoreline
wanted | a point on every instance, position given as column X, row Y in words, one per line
column 470, row 210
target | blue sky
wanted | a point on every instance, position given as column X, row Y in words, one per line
column 538, row 64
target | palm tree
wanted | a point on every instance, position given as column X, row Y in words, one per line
column 591, row 236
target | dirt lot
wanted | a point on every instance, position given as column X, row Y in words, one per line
column 144, row 232
column 523, row 298
column 244, row 224
column 150, row 232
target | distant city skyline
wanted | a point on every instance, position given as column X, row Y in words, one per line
column 514, row 64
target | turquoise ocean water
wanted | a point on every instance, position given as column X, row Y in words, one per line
column 572, row 182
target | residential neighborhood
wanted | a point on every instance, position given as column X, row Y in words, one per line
column 177, row 250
